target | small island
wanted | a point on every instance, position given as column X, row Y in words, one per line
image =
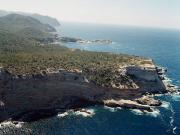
column 39, row 80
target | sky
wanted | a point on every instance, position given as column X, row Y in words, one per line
column 151, row 13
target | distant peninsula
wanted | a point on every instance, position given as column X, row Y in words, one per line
column 43, row 19
column 39, row 79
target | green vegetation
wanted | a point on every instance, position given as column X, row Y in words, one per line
column 26, row 27
column 46, row 19
column 10, row 42
column 22, row 53
column 100, row 68
column 97, row 66
column 15, row 22
column 24, row 58
column 43, row 19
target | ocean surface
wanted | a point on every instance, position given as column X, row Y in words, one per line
column 163, row 45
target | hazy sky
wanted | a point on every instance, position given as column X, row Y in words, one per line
column 156, row 13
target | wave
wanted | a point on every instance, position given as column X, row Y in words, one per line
column 82, row 112
column 85, row 112
column 167, row 79
column 137, row 112
column 166, row 105
column 119, row 108
column 172, row 124
column 159, row 95
column 176, row 97
column 154, row 113
column 11, row 124
column 19, row 125
column 173, row 127
column 112, row 109
column 174, row 130
column 61, row 115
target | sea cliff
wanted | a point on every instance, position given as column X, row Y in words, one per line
column 39, row 79
column 29, row 97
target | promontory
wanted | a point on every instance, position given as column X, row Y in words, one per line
column 39, row 80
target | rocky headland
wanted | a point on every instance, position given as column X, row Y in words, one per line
column 39, row 79
column 29, row 97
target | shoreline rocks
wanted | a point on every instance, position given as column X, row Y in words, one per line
column 83, row 41
column 128, row 104
column 32, row 97
column 150, row 101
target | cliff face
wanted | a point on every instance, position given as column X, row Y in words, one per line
column 32, row 86
column 146, row 79
column 30, row 97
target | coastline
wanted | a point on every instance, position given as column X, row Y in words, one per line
column 83, row 41
column 132, row 87
column 89, row 94
column 47, row 89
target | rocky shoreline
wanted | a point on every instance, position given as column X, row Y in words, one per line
column 84, row 41
column 28, row 98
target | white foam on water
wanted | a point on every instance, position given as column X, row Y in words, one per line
column 170, row 82
column 19, row 125
column 5, row 124
column 137, row 111
column 167, row 79
column 176, row 97
column 119, row 108
column 82, row 112
column 154, row 113
column 11, row 124
column 173, row 127
column 85, row 112
column 171, row 120
column 176, row 87
column 111, row 109
column 174, row 130
column 166, row 105
column 61, row 115
column 159, row 95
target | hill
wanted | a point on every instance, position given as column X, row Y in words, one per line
column 26, row 27
column 15, row 22
column 43, row 19
column 46, row 19
column 10, row 42
column 3, row 13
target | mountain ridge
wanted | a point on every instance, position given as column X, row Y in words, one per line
column 25, row 27
column 42, row 18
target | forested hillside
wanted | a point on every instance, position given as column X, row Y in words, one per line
column 43, row 19
column 26, row 27
column 22, row 52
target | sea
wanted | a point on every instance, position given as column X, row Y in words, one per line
column 162, row 45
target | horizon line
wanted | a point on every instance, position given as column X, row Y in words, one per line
column 97, row 23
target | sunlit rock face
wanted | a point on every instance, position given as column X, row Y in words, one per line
column 146, row 78
column 34, row 96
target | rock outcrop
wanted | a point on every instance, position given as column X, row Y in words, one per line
column 31, row 97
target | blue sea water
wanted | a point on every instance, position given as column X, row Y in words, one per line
column 163, row 45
